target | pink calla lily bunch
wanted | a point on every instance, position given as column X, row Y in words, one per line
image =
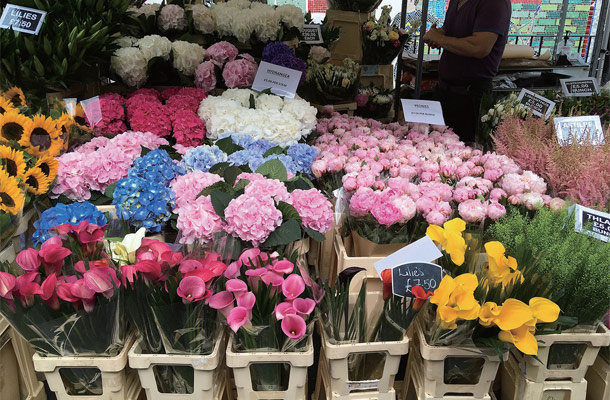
column 56, row 273
column 264, row 289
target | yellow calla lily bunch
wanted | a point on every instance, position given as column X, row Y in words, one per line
column 450, row 238
column 455, row 300
column 501, row 269
column 518, row 320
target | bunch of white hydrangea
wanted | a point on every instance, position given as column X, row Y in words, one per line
column 187, row 56
column 130, row 64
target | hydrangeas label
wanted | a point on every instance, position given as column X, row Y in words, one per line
column 579, row 87
column 282, row 81
column 312, row 34
column 22, row 19
column 406, row 276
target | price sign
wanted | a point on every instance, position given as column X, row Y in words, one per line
column 592, row 222
column 423, row 111
column 540, row 106
column 312, row 34
column 369, row 70
column 579, row 130
column 281, row 80
column 579, row 87
column 406, row 276
column 22, row 19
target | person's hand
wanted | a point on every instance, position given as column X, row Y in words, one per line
column 434, row 36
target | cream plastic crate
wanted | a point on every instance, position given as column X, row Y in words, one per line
column 334, row 365
column 516, row 387
column 115, row 382
column 539, row 372
column 206, row 371
column 344, row 262
column 432, row 359
column 381, row 76
column 297, row 383
column 598, row 379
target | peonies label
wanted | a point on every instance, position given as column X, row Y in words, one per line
column 22, row 19
column 579, row 87
column 583, row 129
column 281, row 80
column 423, row 111
column 312, row 34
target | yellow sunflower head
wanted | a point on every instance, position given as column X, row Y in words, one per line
column 6, row 106
column 13, row 126
column 64, row 125
column 36, row 182
column 12, row 197
column 79, row 115
column 48, row 165
column 41, row 137
column 12, row 161
column 16, row 97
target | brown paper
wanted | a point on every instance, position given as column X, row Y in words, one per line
column 365, row 248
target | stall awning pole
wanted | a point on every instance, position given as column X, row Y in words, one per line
column 398, row 82
column 420, row 48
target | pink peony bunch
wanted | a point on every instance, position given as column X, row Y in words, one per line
column 99, row 163
column 239, row 73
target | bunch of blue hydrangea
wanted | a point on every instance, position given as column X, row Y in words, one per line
column 261, row 146
column 203, row 158
column 244, row 157
column 73, row 214
column 143, row 203
column 303, row 156
column 156, row 166
column 240, row 139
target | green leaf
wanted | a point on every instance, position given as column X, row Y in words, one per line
column 315, row 235
column 288, row 211
column 274, row 150
column 227, row 145
column 230, row 174
column 241, row 185
column 252, row 101
column 220, row 186
column 109, row 192
column 288, row 232
column 273, row 169
column 219, row 167
column 299, row 182
column 220, row 201
column 145, row 151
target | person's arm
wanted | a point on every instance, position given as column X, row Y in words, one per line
column 478, row 45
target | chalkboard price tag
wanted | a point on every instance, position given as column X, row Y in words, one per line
column 579, row 87
column 22, row 19
column 406, row 276
column 540, row 106
column 312, row 34
column 592, row 222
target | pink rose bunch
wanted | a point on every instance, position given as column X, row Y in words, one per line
column 239, row 73
column 99, row 163
column 251, row 280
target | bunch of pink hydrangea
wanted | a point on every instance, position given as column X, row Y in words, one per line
column 252, row 218
column 205, row 76
column 221, row 52
column 239, row 73
column 269, row 187
column 71, row 180
column 314, row 209
column 189, row 129
column 150, row 117
column 170, row 91
column 148, row 92
column 182, row 102
column 113, row 115
column 197, row 93
column 187, row 187
column 198, row 222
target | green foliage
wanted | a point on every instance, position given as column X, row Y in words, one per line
column 74, row 44
column 577, row 264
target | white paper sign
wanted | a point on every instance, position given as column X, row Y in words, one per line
column 579, row 87
column 422, row 250
column 582, row 129
column 596, row 222
column 540, row 106
column 70, row 105
column 281, row 80
column 312, row 34
column 423, row 111
column 22, row 19
column 355, row 386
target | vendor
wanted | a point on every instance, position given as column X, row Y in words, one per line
column 473, row 39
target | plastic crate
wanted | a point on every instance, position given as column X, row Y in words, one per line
column 589, row 342
column 299, row 362
column 114, row 380
column 516, row 387
column 381, row 76
column 598, row 379
column 208, row 374
column 431, row 360
column 344, row 261
column 334, row 365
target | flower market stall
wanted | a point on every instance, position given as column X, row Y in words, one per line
column 210, row 201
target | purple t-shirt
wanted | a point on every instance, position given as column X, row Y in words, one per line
column 475, row 16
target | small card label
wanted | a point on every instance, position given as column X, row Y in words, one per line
column 406, row 276
column 281, row 80
column 368, row 70
column 312, row 34
column 70, row 105
column 584, row 129
column 22, row 19
column 540, row 106
column 592, row 222
column 93, row 110
column 579, row 87
column 355, row 386
column 422, row 250
column 423, row 111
